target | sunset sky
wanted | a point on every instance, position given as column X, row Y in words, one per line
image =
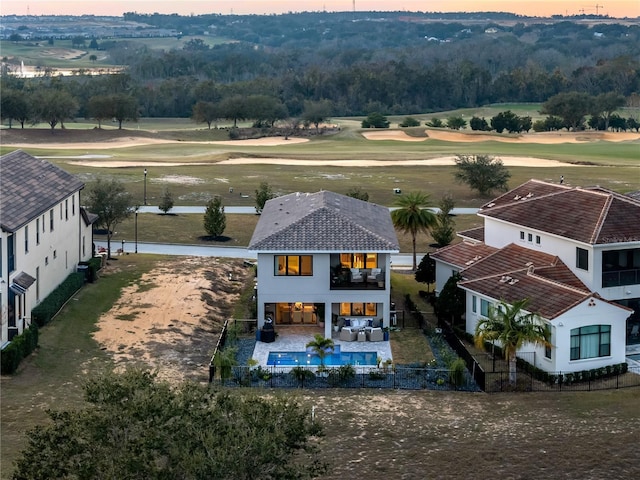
column 618, row 8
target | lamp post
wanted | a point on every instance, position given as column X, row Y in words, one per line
column 136, row 227
column 145, row 186
column 123, row 246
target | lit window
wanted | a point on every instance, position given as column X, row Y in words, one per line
column 293, row 265
column 590, row 342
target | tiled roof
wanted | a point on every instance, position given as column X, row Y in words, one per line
column 29, row 187
column 463, row 254
column 323, row 221
column 473, row 234
column 547, row 298
column 589, row 215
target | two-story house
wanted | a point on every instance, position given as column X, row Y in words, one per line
column 573, row 252
column 322, row 256
column 44, row 234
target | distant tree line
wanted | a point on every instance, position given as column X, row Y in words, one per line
column 286, row 66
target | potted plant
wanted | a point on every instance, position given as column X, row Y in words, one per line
column 385, row 334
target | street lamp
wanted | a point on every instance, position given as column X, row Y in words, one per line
column 136, row 227
column 145, row 186
column 123, row 246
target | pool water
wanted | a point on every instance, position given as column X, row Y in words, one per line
column 635, row 356
column 293, row 359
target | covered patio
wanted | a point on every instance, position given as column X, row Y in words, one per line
column 295, row 338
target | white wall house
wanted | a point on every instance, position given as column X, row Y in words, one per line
column 44, row 234
column 322, row 256
column 573, row 252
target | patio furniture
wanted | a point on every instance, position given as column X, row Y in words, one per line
column 375, row 335
column 348, row 335
column 362, row 336
column 356, row 276
column 373, row 275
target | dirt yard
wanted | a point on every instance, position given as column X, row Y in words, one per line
column 170, row 320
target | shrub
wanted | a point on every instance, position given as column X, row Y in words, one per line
column 342, row 374
column 20, row 347
column 302, row 374
column 456, row 372
column 50, row 306
column 410, row 122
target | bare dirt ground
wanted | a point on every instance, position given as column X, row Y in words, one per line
column 170, row 320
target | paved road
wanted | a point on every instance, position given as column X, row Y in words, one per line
column 252, row 210
column 397, row 261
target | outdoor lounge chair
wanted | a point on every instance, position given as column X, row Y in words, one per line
column 356, row 276
column 348, row 335
column 375, row 335
column 373, row 276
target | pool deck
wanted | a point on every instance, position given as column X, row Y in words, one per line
column 295, row 339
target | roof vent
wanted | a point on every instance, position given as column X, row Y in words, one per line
column 513, row 281
column 505, row 278
column 529, row 195
column 490, row 204
column 517, row 197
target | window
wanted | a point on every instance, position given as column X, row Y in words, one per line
column 590, row 342
column 474, row 307
column 66, row 209
column 294, row 265
column 11, row 256
column 522, row 236
column 359, row 260
column 529, row 237
column 60, row 211
column 37, row 231
column 46, row 260
column 73, row 205
column 359, row 309
column 37, row 284
column 55, row 254
column 582, row 258
column 83, row 246
column 547, row 348
column 51, row 220
column 537, row 239
column 26, row 239
column 484, row 308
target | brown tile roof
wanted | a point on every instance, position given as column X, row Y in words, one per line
column 29, row 187
column 547, row 298
column 463, row 254
column 476, row 234
column 324, row 221
column 589, row 215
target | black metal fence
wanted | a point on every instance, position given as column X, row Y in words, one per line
column 403, row 378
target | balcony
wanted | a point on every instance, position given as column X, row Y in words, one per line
column 618, row 278
column 358, row 279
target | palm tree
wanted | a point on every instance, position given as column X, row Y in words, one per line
column 321, row 346
column 512, row 327
column 412, row 216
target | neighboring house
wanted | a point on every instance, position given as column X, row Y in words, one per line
column 322, row 256
column 573, row 252
column 44, row 234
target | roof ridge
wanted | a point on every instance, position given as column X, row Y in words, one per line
column 557, row 283
column 601, row 218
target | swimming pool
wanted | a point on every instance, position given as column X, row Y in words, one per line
column 294, row 359
column 635, row 356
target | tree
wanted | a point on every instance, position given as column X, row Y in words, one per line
column 14, row 106
column 205, row 112
column 93, row 57
column 166, row 201
column 435, row 123
column 375, row 120
column 412, row 216
column 605, row 105
column 456, row 123
column 451, row 300
column 125, row 107
column 100, row 107
column 111, row 202
column 321, row 347
column 234, row 108
column 316, row 112
column 53, row 106
column 426, row 272
column 508, row 121
column 477, row 123
column 136, row 426
column 444, row 231
column 482, row 173
column 215, row 220
column 357, row 192
column 512, row 327
column 410, row 122
column 263, row 195
column 265, row 110
column 571, row 107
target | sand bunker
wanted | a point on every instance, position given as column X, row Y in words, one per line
column 392, row 135
column 141, row 141
column 542, row 137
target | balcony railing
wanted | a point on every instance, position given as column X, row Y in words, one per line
column 365, row 280
column 619, row 278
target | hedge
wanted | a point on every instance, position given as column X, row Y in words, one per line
column 50, row 306
column 20, row 347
